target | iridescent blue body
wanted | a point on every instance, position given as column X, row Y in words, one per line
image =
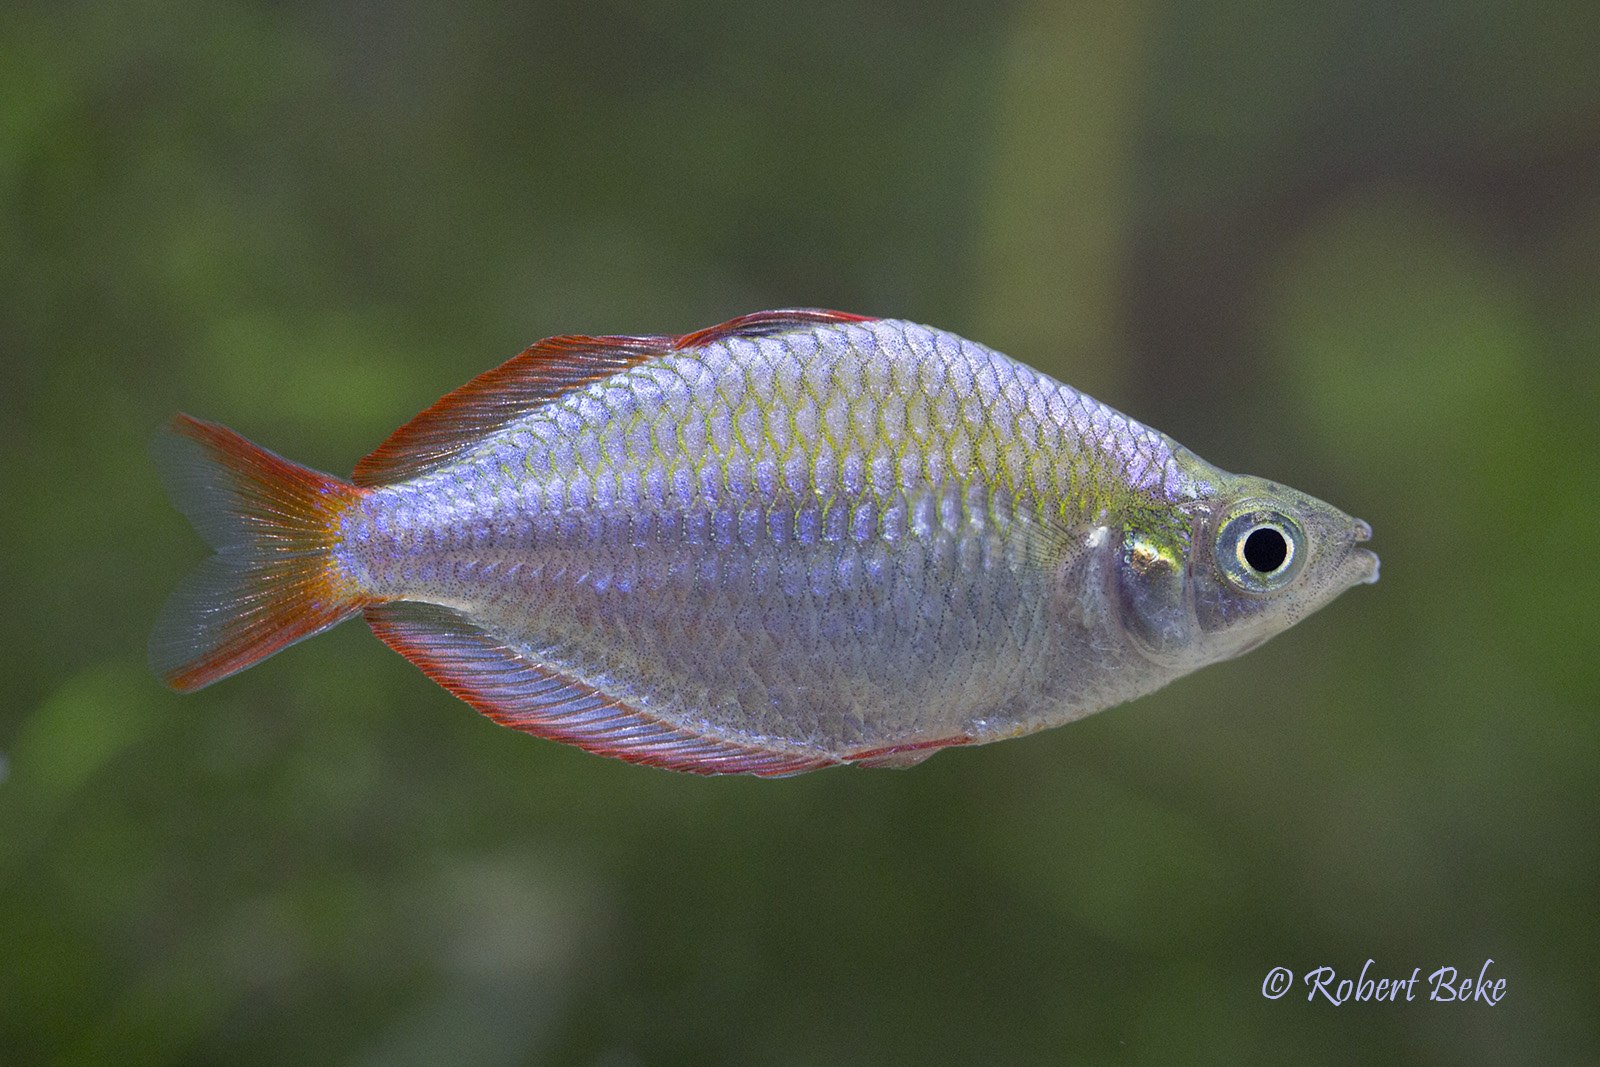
column 806, row 539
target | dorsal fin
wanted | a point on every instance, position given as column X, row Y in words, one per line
column 463, row 417
column 762, row 323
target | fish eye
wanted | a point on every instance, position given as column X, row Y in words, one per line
column 1260, row 550
column 1264, row 549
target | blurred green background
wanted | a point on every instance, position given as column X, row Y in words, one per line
column 1353, row 246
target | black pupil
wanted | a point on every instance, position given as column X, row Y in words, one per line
column 1265, row 549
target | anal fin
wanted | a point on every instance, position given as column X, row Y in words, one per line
column 513, row 690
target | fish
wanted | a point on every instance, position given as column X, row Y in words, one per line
column 798, row 539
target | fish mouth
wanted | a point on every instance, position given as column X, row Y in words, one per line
column 1365, row 559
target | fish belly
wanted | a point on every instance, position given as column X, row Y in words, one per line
column 835, row 647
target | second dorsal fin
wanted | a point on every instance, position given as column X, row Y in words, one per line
column 463, row 417
column 466, row 415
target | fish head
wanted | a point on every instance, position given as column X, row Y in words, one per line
column 1219, row 576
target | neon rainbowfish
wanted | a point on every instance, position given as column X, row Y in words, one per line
column 798, row 539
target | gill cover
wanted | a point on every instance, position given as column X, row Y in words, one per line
column 1153, row 596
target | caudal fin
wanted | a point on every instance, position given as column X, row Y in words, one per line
column 273, row 580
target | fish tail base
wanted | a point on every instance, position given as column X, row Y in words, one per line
column 273, row 580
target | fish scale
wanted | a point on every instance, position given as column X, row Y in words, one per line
column 798, row 539
column 878, row 568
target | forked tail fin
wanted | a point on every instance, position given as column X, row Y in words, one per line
column 273, row 580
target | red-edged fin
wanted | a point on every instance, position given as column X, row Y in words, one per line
column 901, row 756
column 272, row 581
column 762, row 323
column 463, row 417
column 514, row 691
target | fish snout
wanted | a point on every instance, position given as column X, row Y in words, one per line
column 1364, row 558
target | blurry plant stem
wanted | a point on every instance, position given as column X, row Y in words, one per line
column 1055, row 230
